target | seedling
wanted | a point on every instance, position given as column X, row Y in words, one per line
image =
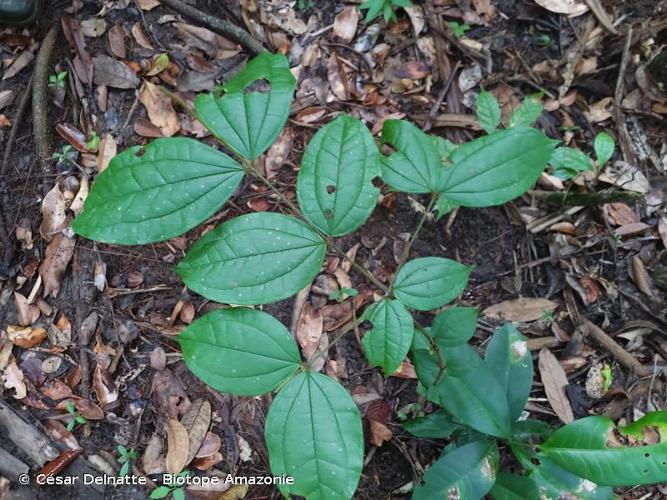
column 58, row 80
column 459, row 29
column 66, row 154
column 176, row 490
column 313, row 428
column 94, row 141
column 341, row 294
column 125, row 459
column 76, row 417
column 384, row 7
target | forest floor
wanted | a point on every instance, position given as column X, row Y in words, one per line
column 93, row 323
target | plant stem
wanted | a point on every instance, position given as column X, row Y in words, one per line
column 436, row 349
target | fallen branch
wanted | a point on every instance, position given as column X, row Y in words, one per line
column 585, row 199
column 220, row 26
column 623, row 356
column 40, row 108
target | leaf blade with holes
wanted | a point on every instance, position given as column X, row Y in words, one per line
column 388, row 342
column 465, row 472
column 496, row 168
column 174, row 185
column 313, row 433
column 255, row 258
column 250, row 121
column 429, row 282
column 487, row 111
column 239, row 351
column 415, row 167
column 335, row 183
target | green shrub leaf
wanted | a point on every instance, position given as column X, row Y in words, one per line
column 240, row 351
column 604, row 147
column 514, row 487
column 569, row 162
column 335, row 184
column 465, row 472
column 245, row 120
column 488, row 111
column 313, row 433
column 555, row 482
column 415, row 167
column 174, row 185
column 430, row 282
column 436, row 425
column 654, row 419
column 256, row 258
column 526, row 113
column 507, row 355
column 580, row 447
column 496, row 168
column 388, row 342
column 455, row 326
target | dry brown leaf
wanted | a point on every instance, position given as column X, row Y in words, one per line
column 106, row 152
column 147, row 4
column 278, row 152
column 6, row 97
column 309, row 330
column 25, row 337
column 345, row 23
column 56, row 389
column 26, row 314
column 632, row 229
column 380, row 433
column 414, row 70
column 114, row 73
column 626, row 176
column 187, row 313
column 196, row 422
column 337, row 78
column 59, row 432
column 105, row 387
column 89, row 409
column 158, row 359
column 117, row 36
column 57, row 256
column 145, row 128
column 554, row 380
column 525, row 309
column 621, row 214
column 77, row 203
column 178, row 446
column 205, row 463
column 140, row 37
column 83, row 64
column 236, row 492
column 159, row 108
column 20, row 62
column 210, row 445
column 641, row 277
column 53, row 213
column 416, row 15
column 13, row 379
column 571, row 8
column 211, row 44
column 93, row 27
column 600, row 111
column 153, row 461
column 595, row 381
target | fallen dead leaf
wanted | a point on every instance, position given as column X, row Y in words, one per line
column 236, row 492
column 145, row 128
column 210, row 445
column 309, row 330
column 525, row 309
column 600, row 111
column 153, row 460
column 83, row 64
column 632, row 229
column 57, row 256
column 77, row 203
column 53, row 214
column 178, row 446
column 106, row 152
column 25, row 337
column 626, row 176
column 205, row 463
column 114, row 73
column 571, row 8
column 159, row 108
column 57, row 431
column 662, row 229
column 380, row 433
column 20, row 62
column 158, row 359
column 117, row 36
column 147, row 4
column 337, row 78
column 278, row 153
column 413, row 70
column 196, row 422
column 26, row 314
column 641, row 277
column 6, row 97
column 56, row 389
column 105, row 387
column 345, row 23
column 140, row 37
column 595, row 382
column 621, row 214
column 554, row 380
column 13, row 379
column 416, row 15
column 93, row 27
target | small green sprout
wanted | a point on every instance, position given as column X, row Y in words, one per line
column 126, row 458
column 341, row 294
column 94, row 141
column 58, row 80
column 77, row 418
column 458, row 28
column 177, row 491
column 67, row 153
column 386, row 7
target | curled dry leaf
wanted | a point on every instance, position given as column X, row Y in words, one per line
column 525, row 309
column 13, row 379
column 104, row 386
column 114, row 73
column 20, row 62
column 380, row 433
column 53, row 213
column 278, row 153
column 600, row 111
column 572, row 8
column 140, row 37
column 621, row 214
column 153, row 459
column 196, row 422
column 25, row 337
column 158, row 359
column 89, row 409
column 83, row 64
column 56, row 389
column 77, row 203
column 345, row 24
column 626, row 176
column 309, row 331
column 178, row 446
column 159, row 108
column 106, row 151
column 57, row 431
column 57, row 256
column 554, row 380
column 205, row 463
column 641, row 277
column 337, row 78
column 209, row 446
column 26, row 314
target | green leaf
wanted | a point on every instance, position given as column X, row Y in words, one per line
column 335, row 183
column 124, row 469
column 160, row 492
column 240, row 351
column 444, row 147
column 569, row 162
column 455, row 326
column 430, row 282
column 465, row 472
column 249, row 121
column 374, row 8
column 580, row 447
column 443, row 206
column 488, row 111
column 313, row 433
column 178, row 494
column 468, row 389
column 555, row 482
column 526, row 113
column 174, row 185
column 526, row 430
column 654, row 419
column 604, row 147
column 415, row 167
column 507, row 356
column 514, row 487
column 496, row 168
column 436, row 425
column 388, row 342
column 253, row 259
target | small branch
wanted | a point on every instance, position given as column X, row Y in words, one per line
column 40, row 107
column 420, row 224
column 623, row 356
column 585, row 199
column 623, row 135
column 224, row 28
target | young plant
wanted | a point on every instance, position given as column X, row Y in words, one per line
column 313, row 428
column 58, row 80
column 175, row 488
column 459, row 29
column 125, row 459
column 384, row 7
column 76, row 417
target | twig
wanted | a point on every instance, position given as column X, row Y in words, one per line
column 623, row 356
column 441, row 97
column 18, row 118
column 40, row 107
column 361, row 56
column 624, row 136
column 585, row 199
column 224, row 28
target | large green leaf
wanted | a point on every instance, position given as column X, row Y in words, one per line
column 468, row 390
column 249, row 121
column 487, row 111
column 240, row 351
column 496, row 168
column 580, row 447
column 253, row 259
column 514, row 487
column 455, row 326
column 388, row 342
column 507, row 355
column 465, row 472
column 555, row 482
column 335, row 183
column 174, row 185
column 313, row 434
column 436, row 425
column 430, row 282
column 415, row 167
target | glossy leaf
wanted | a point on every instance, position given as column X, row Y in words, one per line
column 569, row 162
column 653, row 420
column 388, row 342
column 249, row 121
column 529, row 430
column 175, row 184
column 465, row 472
column 430, row 282
column 415, row 167
column 313, row 433
column 580, row 447
column 455, row 326
column 468, row 389
column 335, row 183
column 604, row 147
column 256, row 258
column 444, row 147
column 555, row 482
column 507, row 356
column 436, row 425
column 240, row 351
column 443, row 206
column 514, row 487
column 487, row 111
column 526, row 113
column 496, row 168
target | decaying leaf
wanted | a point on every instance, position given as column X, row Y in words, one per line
column 89, row 409
column 13, row 379
column 345, row 23
column 25, row 337
column 626, row 176
column 153, row 459
column 53, row 213
column 196, row 421
column 640, row 276
column 570, row 7
column 554, row 380
column 178, row 446
column 56, row 430
column 56, row 389
column 26, row 314
column 159, row 108
column 77, row 203
column 210, row 445
column 278, row 153
column 93, row 27
column 117, row 36
column 104, row 386
column 57, row 256
column 309, row 331
column 380, row 433
column 20, row 62
column 525, row 309
column 106, row 151
column 114, row 73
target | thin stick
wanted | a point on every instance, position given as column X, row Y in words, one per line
column 40, row 106
column 623, row 356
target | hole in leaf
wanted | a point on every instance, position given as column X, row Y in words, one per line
column 646, row 455
column 645, row 471
column 377, row 182
column 261, row 85
column 535, row 461
column 331, row 189
column 366, row 325
column 328, row 214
